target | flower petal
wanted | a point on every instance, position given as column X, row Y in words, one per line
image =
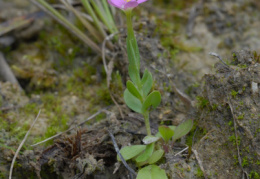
column 125, row 4
column 131, row 4
column 117, row 3
column 141, row 1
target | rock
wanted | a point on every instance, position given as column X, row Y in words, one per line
column 234, row 127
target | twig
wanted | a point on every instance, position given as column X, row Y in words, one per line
column 20, row 146
column 181, row 151
column 120, row 156
column 194, row 12
column 200, row 163
column 219, row 57
column 6, row 73
column 104, row 49
column 235, row 127
column 52, row 137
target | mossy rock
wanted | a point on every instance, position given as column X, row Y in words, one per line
column 234, row 124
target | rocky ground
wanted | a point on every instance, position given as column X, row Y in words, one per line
column 68, row 83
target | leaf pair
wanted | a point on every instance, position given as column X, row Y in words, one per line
column 151, row 172
column 134, row 103
column 146, row 85
column 168, row 132
column 143, row 154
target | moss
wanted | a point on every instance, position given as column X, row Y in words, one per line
column 62, row 43
column 3, row 122
column 57, row 119
column 230, row 123
column 236, row 160
column 195, row 133
column 116, row 84
column 254, row 175
column 202, row 102
column 242, row 65
column 199, row 173
column 233, row 93
column 103, row 96
column 1, row 100
column 240, row 117
column 256, row 56
column 30, row 108
column 244, row 162
column 258, row 162
column 233, row 139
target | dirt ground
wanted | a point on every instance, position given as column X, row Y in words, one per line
column 59, row 75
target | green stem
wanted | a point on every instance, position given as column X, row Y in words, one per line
column 147, row 122
column 130, row 31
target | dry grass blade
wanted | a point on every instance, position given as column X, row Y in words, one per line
column 19, row 22
column 109, row 69
column 87, row 25
column 235, row 128
column 62, row 20
column 6, row 73
column 89, row 9
column 200, row 163
column 20, row 146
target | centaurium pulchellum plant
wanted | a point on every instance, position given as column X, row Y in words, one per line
column 140, row 97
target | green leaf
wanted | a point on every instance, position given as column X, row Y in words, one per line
column 133, row 73
column 157, row 155
column 144, row 173
column 151, row 172
column 133, row 52
column 182, row 129
column 158, row 135
column 146, row 154
column 153, row 99
column 150, row 139
column 166, row 133
column 147, row 82
column 129, row 152
column 134, row 59
column 132, row 89
column 132, row 102
column 172, row 127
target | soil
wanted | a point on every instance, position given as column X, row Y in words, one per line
column 68, row 83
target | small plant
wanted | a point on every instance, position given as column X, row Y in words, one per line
column 140, row 97
column 234, row 93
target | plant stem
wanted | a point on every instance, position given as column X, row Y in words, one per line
column 147, row 122
column 130, row 31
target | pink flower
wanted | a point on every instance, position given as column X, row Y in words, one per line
column 125, row 4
